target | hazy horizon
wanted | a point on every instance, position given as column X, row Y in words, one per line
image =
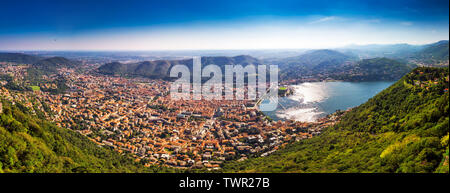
column 200, row 50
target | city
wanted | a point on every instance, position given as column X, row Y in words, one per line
column 138, row 116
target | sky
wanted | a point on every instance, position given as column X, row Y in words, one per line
column 218, row 25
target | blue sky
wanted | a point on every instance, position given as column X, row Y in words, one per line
column 213, row 24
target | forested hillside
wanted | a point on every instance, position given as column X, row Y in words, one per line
column 312, row 63
column 373, row 69
column 402, row 129
column 330, row 64
column 19, row 58
column 160, row 68
column 38, row 68
column 433, row 54
column 30, row 144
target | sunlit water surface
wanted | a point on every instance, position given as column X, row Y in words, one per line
column 311, row 101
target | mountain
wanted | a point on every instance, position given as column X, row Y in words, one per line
column 397, row 51
column 33, row 145
column 316, row 59
column 320, row 63
column 46, row 66
column 373, row 69
column 324, row 64
column 436, row 53
column 50, row 67
column 39, row 67
column 404, row 128
column 161, row 68
column 427, row 54
column 19, row 58
column 151, row 69
column 221, row 61
column 54, row 63
column 311, row 64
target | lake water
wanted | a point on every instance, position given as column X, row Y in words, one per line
column 311, row 101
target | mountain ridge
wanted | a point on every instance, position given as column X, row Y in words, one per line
column 19, row 58
column 160, row 68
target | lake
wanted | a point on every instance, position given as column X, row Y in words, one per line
column 314, row 100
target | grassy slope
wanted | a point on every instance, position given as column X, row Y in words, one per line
column 402, row 129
